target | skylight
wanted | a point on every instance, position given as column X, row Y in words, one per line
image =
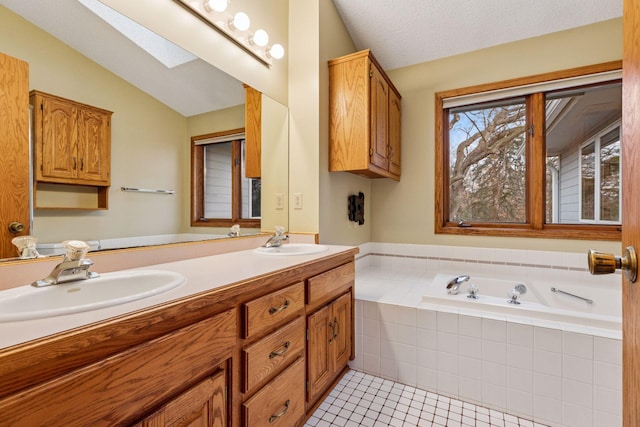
column 169, row 54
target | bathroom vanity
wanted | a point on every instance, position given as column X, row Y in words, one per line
column 262, row 348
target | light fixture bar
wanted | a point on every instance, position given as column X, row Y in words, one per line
column 235, row 28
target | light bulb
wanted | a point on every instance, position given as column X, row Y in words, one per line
column 260, row 38
column 217, row 5
column 241, row 21
column 276, row 51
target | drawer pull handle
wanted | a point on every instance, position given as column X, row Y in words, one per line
column 274, row 417
column 333, row 332
column 274, row 310
column 280, row 352
column 336, row 328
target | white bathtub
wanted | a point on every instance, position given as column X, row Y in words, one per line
column 538, row 306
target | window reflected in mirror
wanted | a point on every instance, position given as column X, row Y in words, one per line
column 222, row 195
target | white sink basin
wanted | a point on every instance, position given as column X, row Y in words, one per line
column 293, row 249
column 28, row 302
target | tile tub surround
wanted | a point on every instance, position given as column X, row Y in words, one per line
column 548, row 373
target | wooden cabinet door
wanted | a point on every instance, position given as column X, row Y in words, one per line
column 58, row 145
column 253, row 132
column 318, row 362
column 94, row 145
column 340, row 347
column 379, row 119
column 329, row 344
column 203, row 405
column 394, row 133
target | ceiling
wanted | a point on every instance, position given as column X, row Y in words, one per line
column 401, row 33
column 409, row 32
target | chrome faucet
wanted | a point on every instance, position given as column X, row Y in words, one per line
column 276, row 240
column 453, row 287
column 519, row 289
column 74, row 266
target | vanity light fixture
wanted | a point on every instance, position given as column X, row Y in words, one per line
column 236, row 27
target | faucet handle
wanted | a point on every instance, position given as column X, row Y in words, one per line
column 76, row 249
column 279, row 230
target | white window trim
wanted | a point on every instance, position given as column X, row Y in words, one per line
column 596, row 140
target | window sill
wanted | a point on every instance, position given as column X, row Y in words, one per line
column 552, row 231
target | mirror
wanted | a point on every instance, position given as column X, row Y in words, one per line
column 150, row 145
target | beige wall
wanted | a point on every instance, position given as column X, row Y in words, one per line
column 403, row 211
column 147, row 140
column 303, row 114
column 336, row 187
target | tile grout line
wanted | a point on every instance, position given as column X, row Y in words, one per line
column 347, row 397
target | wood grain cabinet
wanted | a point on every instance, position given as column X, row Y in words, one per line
column 72, row 141
column 364, row 120
column 253, row 132
column 148, row 378
column 330, row 342
column 202, row 405
column 261, row 353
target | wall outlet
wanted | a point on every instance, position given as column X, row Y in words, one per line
column 297, row 200
column 279, row 201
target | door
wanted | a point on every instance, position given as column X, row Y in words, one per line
column 631, row 210
column 14, row 151
column 94, row 144
column 341, row 345
column 318, row 352
column 204, row 405
column 379, row 119
column 58, row 145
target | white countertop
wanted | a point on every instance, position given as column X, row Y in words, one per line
column 202, row 274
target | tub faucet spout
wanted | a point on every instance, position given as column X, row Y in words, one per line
column 453, row 287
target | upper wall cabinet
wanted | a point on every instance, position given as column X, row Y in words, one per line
column 72, row 141
column 364, row 121
column 252, row 131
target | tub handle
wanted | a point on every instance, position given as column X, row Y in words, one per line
column 604, row 263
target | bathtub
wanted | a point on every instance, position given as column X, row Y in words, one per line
column 538, row 306
column 553, row 359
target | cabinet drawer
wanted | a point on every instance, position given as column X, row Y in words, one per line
column 266, row 312
column 271, row 353
column 279, row 403
column 327, row 285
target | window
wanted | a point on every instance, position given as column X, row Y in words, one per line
column 600, row 201
column 537, row 156
column 222, row 195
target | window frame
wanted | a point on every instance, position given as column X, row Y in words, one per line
column 198, row 179
column 534, row 225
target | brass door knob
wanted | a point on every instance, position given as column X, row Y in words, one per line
column 16, row 227
column 604, row 263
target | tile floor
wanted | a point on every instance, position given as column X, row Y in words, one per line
column 365, row 400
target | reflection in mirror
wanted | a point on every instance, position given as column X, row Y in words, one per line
column 583, row 155
column 222, row 194
column 156, row 110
